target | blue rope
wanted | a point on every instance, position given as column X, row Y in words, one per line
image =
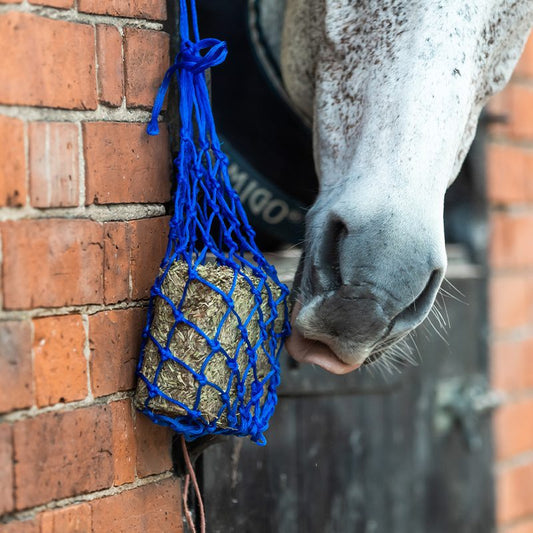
column 209, row 219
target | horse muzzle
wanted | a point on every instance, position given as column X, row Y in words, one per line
column 347, row 311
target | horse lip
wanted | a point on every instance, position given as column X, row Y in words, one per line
column 314, row 352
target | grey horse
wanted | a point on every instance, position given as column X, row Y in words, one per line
column 393, row 90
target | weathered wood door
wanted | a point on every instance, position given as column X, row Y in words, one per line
column 355, row 454
column 364, row 454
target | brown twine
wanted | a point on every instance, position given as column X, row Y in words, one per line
column 191, row 476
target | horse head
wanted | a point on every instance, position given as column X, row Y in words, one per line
column 393, row 89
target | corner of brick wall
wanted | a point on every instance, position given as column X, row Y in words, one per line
column 82, row 228
column 510, row 194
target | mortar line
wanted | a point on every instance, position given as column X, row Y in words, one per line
column 89, row 309
column 102, row 113
column 46, row 164
column 521, row 334
column 72, row 15
column 95, row 212
column 501, row 139
column 123, row 59
column 513, row 209
column 28, row 514
column 32, row 357
column 26, row 130
column 517, row 461
column 87, row 354
column 511, row 524
column 14, row 483
column 63, row 407
column 515, row 397
column 81, row 168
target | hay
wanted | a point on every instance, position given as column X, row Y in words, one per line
column 205, row 308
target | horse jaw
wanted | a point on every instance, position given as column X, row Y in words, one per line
column 394, row 90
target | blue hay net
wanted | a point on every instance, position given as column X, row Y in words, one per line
column 217, row 316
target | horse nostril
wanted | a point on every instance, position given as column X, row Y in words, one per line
column 415, row 313
column 334, row 235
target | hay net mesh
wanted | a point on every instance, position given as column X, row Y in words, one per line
column 218, row 313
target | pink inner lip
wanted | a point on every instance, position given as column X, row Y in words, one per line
column 314, row 352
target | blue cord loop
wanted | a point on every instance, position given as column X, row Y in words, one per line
column 192, row 60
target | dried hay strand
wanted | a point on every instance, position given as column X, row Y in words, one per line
column 206, row 308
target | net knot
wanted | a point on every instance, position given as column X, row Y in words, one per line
column 215, row 345
column 221, row 156
column 165, row 354
column 233, row 366
column 202, row 380
column 240, row 389
column 152, row 390
column 257, row 391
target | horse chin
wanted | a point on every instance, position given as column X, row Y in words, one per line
column 320, row 350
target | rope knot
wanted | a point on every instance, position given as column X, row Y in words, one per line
column 192, row 60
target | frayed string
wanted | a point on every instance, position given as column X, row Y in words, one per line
column 191, row 476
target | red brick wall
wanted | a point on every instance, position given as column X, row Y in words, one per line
column 510, row 193
column 82, row 228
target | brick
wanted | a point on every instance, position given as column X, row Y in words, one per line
column 146, row 57
column 149, row 9
column 47, row 62
column 59, row 362
column 124, row 164
column 148, row 246
column 16, row 374
column 6, row 469
column 124, row 444
column 12, row 163
column 522, row 527
column 508, row 174
column 52, row 262
column 153, row 447
column 115, row 340
column 512, row 365
column 62, row 454
column 499, row 105
column 514, row 499
column 512, row 429
column 54, row 164
column 110, row 65
column 524, row 69
column 133, row 252
column 72, row 519
column 510, row 306
column 61, row 4
column 510, row 240
column 116, row 262
column 151, row 509
column 516, row 102
column 20, row 526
